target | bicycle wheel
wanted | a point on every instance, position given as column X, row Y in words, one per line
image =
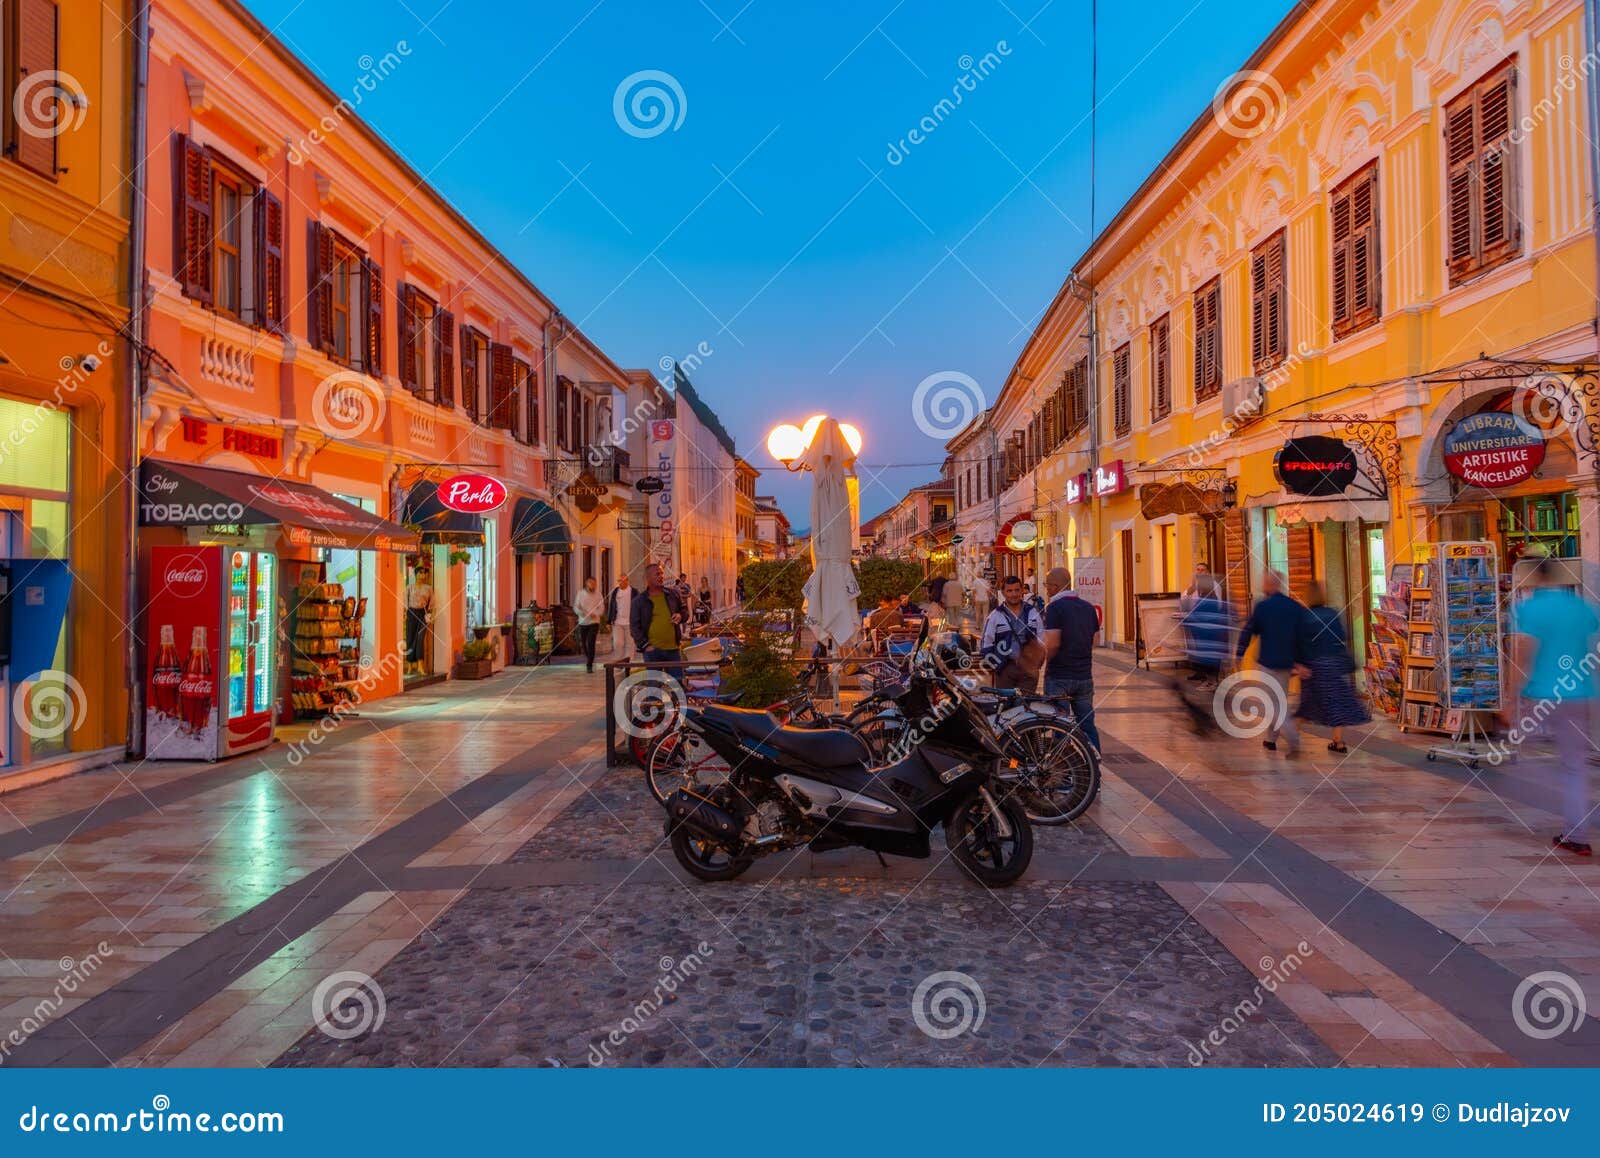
column 1057, row 771
column 682, row 759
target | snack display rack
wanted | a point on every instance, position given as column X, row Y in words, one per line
column 326, row 645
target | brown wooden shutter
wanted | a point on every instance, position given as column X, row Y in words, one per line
column 1258, row 308
column 528, row 387
column 269, row 301
column 561, row 414
column 405, row 300
column 35, row 54
column 502, row 387
column 191, row 215
column 1340, row 258
column 319, row 286
column 1497, row 171
column 1122, row 389
column 1461, row 150
column 1365, row 263
column 1207, row 340
column 372, row 299
column 444, row 358
column 1161, row 367
column 1277, row 295
column 470, row 372
column 1301, row 572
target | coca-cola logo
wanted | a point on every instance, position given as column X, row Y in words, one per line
column 196, row 686
column 186, row 576
column 473, row 494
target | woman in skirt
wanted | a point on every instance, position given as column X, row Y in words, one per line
column 1327, row 691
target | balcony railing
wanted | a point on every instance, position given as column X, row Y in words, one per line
column 608, row 464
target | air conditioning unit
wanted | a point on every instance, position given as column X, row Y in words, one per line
column 1243, row 401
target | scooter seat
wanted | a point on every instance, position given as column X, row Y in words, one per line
column 819, row 747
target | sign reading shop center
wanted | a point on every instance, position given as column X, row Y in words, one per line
column 475, row 494
column 1493, row 449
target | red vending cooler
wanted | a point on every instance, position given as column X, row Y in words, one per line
column 211, row 637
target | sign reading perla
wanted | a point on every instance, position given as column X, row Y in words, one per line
column 1316, row 466
column 1493, row 449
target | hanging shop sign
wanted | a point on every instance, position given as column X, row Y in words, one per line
column 472, row 494
column 1316, row 466
column 1156, row 500
column 586, row 492
column 1110, row 479
column 1023, row 535
column 957, row 540
column 1077, row 488
column 650, row 485
column 1493, row 449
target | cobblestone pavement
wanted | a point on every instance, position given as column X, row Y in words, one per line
column 462, row 860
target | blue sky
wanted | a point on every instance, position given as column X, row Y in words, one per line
column 771, row 224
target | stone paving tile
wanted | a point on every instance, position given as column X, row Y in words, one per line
column 815, row 973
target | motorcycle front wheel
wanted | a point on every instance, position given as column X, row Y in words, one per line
column 991, row 839
column 706, row 861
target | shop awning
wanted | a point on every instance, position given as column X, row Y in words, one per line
column 174, row 494
column 1293, row 510
column 538, row 529
column 437, row 522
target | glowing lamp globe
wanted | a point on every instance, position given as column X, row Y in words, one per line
column 786, row 443
column 852, row 437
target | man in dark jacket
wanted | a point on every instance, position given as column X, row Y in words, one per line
column 658, row 613
column 1277, row 622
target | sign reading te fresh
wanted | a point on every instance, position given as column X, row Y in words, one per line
column 1493, row 449
column 474, row 494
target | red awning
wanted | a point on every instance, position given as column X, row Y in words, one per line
column 174, row 494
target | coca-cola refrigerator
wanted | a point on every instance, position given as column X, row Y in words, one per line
column 211, row 639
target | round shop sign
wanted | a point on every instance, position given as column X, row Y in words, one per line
column 650, row 485
column 1316, row 466
column 474, row 494
column 1493, row 449
column 1023, row 535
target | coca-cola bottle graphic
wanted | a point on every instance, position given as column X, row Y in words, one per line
column 197, row 688
column 164, row 681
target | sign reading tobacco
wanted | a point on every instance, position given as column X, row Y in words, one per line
column 1493, row 449
column 1316, row 466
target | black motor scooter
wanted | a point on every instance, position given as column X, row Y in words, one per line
column 786, row 787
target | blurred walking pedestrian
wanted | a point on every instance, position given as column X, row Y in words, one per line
column 1208, row 628
column 1555, row 631
column 1275, row 622
column 591, row 609
column 1327, row 690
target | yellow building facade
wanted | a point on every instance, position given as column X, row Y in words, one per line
column 1380, row 228
column 65, row 408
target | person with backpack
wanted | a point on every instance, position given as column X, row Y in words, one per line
column 1013, row 639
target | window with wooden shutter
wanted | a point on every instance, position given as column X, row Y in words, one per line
column 269, row 289
column 1122, row 389
column 1356, row 261
column 192, row 234
column 1268, row 323
column 502, row 387
column 1161, row 367
column 1481, row 175
column 444, row 358
column 319, row 286
column 472, row 371
column 528, row 391
column 406, row 338
column 1208, row 340
column 35, row 104
column 1080, row 395
column 372, row 299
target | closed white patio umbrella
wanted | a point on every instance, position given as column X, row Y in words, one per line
column 831, row 592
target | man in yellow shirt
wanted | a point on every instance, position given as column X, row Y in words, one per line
column 657, row 614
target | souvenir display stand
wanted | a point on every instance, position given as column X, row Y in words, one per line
column 1466, row 614
column 325, row 645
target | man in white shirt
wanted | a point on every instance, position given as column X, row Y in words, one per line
column 1013, row 639
column 591, row 609
column 619, row 613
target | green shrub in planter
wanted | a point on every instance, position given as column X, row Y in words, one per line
column 759, row 670
column 477, row 649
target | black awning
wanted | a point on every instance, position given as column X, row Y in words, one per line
column 538, row 529
column 437, row 522
column 180, row 494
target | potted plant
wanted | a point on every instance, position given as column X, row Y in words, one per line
column 477, row 660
